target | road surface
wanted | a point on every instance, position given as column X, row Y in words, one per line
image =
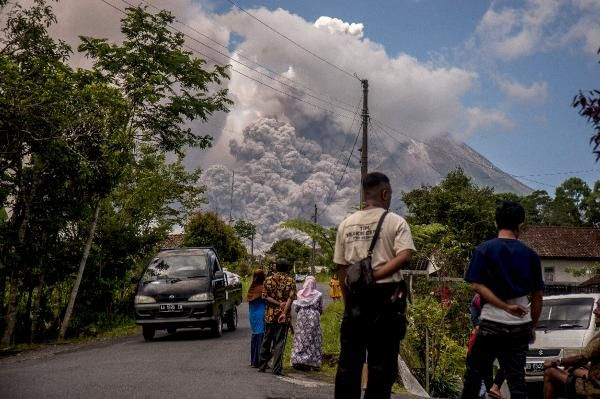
column 188, row 364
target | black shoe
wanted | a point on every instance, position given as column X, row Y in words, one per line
column 261, row 370
column 279, row 373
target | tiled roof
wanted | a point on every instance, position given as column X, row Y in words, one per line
column 172, row 241
column 563, row 242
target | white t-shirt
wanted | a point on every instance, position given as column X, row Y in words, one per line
column 355, row 233
column 492, row 313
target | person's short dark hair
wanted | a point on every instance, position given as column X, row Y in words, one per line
column 373, row 180
column 283, row 265
column 509, row 215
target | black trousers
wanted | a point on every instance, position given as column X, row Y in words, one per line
column 373, row 330
column 255, row 348
column 273, row 345
column 505, row 342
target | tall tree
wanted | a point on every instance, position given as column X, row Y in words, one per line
column 569, row 206
column 290, row 249
column 164, row 85
column 457, row 203
column 207, row 229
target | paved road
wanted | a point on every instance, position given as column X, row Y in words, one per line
column 188, row 364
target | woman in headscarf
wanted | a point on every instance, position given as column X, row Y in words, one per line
column 308, row 340
column 257, row 315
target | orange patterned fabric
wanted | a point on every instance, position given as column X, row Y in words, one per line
column 279, row 287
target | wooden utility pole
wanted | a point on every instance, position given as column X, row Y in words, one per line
column 364, row 156
column 312, row 271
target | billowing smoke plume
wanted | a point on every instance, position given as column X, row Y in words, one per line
column 283, row 176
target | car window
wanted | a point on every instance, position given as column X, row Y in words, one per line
column 566, row 313
column 176, row 266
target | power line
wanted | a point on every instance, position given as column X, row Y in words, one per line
column 250, row 60
column 294, row 42
column 243, row 64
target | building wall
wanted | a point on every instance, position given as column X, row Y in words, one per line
column 559, row 270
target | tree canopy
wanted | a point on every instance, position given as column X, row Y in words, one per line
column 588, row 106
column 207, row 229
column 291, row 249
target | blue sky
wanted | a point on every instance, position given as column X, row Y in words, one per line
column 530, row 80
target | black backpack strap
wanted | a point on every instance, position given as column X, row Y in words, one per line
column 376, row 235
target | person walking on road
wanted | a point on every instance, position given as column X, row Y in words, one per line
column 504, row 271
column 256, row 305
column 307, row 348
column 335, row 292
column 279, row 292
column 374, row 322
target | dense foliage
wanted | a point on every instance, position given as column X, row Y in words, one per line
column 84, row 173
column 291, row 249
column 207, row 229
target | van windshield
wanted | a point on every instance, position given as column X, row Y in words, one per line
column 566, row 313
column 176, row 266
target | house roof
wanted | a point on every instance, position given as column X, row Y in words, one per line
column 172, row 241
column 591, row 282
column 563, row 242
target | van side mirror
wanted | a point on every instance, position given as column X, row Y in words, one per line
column 219, row 279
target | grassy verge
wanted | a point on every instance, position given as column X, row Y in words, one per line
column 125, row 328
column 331, row 320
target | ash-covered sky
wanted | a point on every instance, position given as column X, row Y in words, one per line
column 497, row 74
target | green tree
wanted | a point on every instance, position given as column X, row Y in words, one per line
column 246, row 230
column 324, row 236
column 537, row 207
column 592, row 206
column 290, row 249
column 588, row 105
column 465, row 209
column 569, row 206
column 167, row 89
column 207, row 229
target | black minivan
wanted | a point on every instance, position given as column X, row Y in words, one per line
column 183, row 288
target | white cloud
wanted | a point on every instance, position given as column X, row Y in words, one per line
column 509, row 32
column 537, row 92
column 336, row 25
column 478, row 119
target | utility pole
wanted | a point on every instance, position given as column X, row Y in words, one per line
column 231, row 198
column 364, row 156
column 312, row 271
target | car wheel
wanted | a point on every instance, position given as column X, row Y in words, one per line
column 232, row 320
column 171, row 330
column 217, row 328
column 148, row 333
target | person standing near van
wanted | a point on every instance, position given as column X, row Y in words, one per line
column 256, row 306
column 504, row 271
column 377, row 325
column 279, row 292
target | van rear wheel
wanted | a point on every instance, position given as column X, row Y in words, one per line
column 232, row 320
column 148, row 333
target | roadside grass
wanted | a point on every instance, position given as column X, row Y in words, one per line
column 331, row 320
column 125, row 327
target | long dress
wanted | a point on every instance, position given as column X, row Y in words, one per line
column 307, row 348
column 257, row 325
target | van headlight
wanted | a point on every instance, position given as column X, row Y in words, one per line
column 144, row 299
column 570, row 352
column 205, row 296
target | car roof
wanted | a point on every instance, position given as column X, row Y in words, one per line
column 184, row 251
column 576, row 295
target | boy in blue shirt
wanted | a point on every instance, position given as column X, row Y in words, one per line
column 504, row 271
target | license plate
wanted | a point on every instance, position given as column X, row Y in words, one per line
column 171, row 307
column 537, row 367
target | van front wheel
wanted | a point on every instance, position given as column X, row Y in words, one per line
column 217, row 328
column 148, row 333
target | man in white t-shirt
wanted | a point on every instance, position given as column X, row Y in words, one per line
column 377, row 327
